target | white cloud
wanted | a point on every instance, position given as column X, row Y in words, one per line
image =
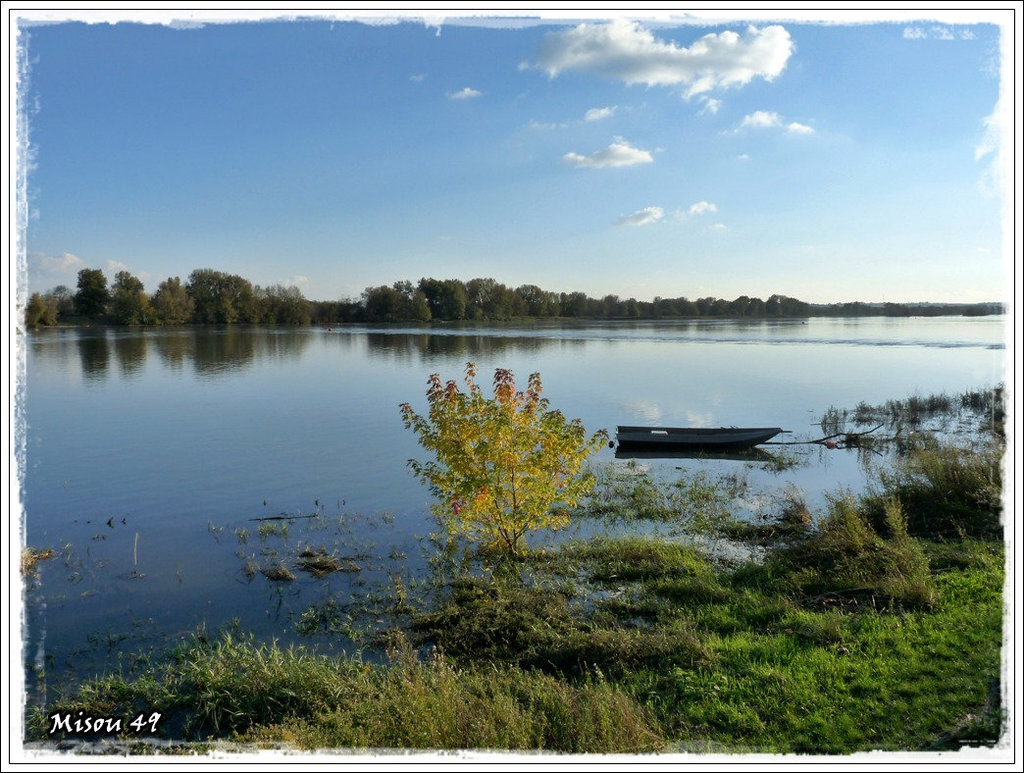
column 547, row 126
column 626, row 51
column 113, row 266
column 66, row 263
column 417, row 78
column 599, row 113
column 645, row 216
column 799, row 128
column 702, row 208
column 990, row 148
column 619, row 153
column 710, row 105
column 48, row 265
column 718, row 227
column 769, row 119
column 761, row 119
column 466, row 93
column 743, row 157
column 297, row 280
column 990, row 139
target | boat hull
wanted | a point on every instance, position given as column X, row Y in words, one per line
column 693, row 438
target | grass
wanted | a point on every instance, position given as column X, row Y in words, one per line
column 876, row 625
column 30, row 558
column 985, row 408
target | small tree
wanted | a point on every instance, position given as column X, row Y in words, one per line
column 503, row 466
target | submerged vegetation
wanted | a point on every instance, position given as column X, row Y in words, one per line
column 873, row 624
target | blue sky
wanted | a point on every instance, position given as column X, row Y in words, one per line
column 826, row 160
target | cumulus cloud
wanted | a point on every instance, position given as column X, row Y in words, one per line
column 718, row 227
column 645, row 216
column 62, row 265
column 799, row 128
column 466, row 93
column 626, row 51
column 599, row 113
column 761, row 119
column 113, row 266
column 418, row 78
column 619, row 153
column 702, row 208
column 769, row 119
column 298, row 280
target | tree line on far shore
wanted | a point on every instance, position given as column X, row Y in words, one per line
column 216, row 297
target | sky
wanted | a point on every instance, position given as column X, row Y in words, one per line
column 830, row 159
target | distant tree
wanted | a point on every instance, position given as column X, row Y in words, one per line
column 419, row 307
column 41, row 310
column 384, row 304
column 93, row 296
column 534, row 300
column 452, row 300
column 283, row 306
column 574, row 304
column 172, row 304
column 503, row 466
column 481, row 297
column 65, row 300
column 221, row 298
column 129, row 304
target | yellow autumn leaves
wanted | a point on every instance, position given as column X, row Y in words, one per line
column 503, row 466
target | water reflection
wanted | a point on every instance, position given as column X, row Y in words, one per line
column 428, row 347
column 94, row 355
column 211, row 352
column 130, row 351
column 215, row 352
column 174, row 350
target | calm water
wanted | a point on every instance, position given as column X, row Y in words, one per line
column 148, row 455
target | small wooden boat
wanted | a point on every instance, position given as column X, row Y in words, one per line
column 693, row 438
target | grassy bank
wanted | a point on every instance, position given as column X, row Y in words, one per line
column 876, row 624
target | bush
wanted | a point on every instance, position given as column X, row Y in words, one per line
column 504, row 466
column 847, row 557
column 946, row 490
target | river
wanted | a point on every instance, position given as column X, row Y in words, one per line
column 147, row 456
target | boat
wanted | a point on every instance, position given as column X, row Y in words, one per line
column 693, row 438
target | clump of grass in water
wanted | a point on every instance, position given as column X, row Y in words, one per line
column 30, row 558
column 278, row 573
column 318, row 563
column 269, row 529
column 986, row 405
